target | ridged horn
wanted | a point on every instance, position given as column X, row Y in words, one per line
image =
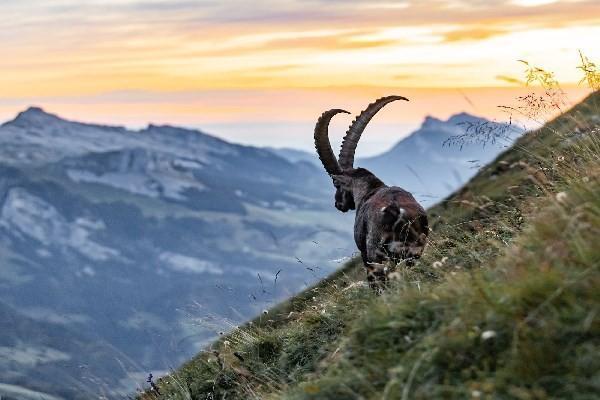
column 322, row 141
column 346, row 159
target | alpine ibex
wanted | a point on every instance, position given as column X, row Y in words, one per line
column 389, row 224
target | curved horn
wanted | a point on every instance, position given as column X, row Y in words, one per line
column 358, row 126
column 322, row 141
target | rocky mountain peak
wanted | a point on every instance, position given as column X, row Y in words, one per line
column 33, row 116
column 429, row 121
column 432, row 122
column 463, row 117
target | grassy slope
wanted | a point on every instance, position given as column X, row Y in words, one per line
column 504, row 304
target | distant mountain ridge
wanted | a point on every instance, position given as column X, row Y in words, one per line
column 295, row 155
column 133, row 238
column 168, row 160
column 428, row 162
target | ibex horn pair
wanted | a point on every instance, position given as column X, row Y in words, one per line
column 346, row 157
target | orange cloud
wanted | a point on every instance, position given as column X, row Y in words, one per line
column 475, row 33
column 340, row 42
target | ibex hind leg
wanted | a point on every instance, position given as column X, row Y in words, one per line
column 376, row 275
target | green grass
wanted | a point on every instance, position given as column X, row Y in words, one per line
column 505, row 302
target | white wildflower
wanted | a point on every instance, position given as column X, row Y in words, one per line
column 561, row 197
column 394, row 276
column 486, row 335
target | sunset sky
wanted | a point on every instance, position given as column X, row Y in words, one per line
column 261, row 71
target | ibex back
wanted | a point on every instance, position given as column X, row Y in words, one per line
column 390, row 224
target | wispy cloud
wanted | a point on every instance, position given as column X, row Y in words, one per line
column 82, row 49
column 474, row 33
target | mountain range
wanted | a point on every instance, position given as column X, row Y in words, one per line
column 124, row 252
column 436, row 159
column 145, row 243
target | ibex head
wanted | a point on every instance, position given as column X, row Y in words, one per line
column 344, row 200
column 344, row 175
